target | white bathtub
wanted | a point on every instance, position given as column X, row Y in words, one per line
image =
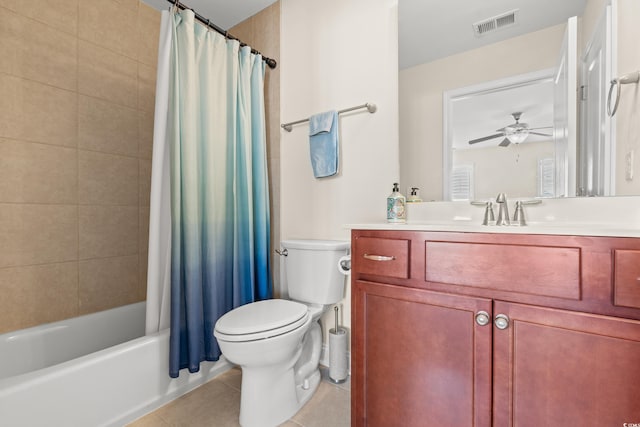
column 94, row 370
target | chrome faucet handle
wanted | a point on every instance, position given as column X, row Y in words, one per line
column 518, row 216
column 489, row 217
column 503, row 210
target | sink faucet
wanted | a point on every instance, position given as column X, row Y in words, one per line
column 518, row 216
column 503, row 210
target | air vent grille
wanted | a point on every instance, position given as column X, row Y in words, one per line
column 491, row 24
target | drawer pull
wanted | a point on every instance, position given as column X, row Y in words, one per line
column 379, row 257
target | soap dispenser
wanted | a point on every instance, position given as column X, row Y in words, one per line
column 413, row 197
column 396, row 212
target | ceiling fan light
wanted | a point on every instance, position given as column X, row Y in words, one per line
column 517, row 136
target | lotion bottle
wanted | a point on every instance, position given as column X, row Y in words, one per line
column 414, row 198
column 396, row 212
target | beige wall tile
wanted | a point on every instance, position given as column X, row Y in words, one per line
column 108, row 282
column 36, row 112
column 148, row 34
column 145, row 134
column 110, row 24
column 146, row 88
column 108, row 231
column 37, row 234
column 266, row 30
column 143, row 238
column 60, row 14
column 37, row 294
column 37, row 52
column 143, row 245
column 244, row 31
column 107, row 75
column 37, row 173
column 107, row 127
column 145, row 181
column 107, row 179
column 142, row 275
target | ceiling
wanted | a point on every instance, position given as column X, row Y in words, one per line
column 483, row 114
column 224, row 13
column 432, row 29
column 428, row 29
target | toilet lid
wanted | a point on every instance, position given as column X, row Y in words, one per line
column 261, row 320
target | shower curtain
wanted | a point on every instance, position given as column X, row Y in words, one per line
column 209, row 222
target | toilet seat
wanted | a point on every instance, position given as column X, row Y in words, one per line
column 261, row 320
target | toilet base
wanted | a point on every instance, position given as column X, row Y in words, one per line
column 270, row 398
column 312, row 383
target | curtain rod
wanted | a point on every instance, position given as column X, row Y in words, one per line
column 369, row 106
column 270, row 61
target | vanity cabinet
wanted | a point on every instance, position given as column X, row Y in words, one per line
column 479, row 329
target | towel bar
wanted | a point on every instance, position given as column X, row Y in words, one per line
column 369, row 106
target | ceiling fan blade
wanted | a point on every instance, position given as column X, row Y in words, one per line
column 505, row 142
column 543, row 127
column 540, row 134
column 485, row 138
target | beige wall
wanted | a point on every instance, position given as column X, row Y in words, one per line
column 337, row 54
column 262, row 32
column 517, row 175
column 77, row 82
column 422, row 86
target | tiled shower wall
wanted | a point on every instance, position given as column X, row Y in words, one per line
column 77, row 82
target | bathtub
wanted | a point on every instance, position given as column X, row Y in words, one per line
column 93, row 370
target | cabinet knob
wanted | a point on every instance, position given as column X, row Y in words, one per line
column 482, row 318
column 501, row 321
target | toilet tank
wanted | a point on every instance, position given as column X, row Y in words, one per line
column 312, row 271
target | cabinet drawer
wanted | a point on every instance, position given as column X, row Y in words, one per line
column 534, row 270
column 382, row 257
column 626, row 283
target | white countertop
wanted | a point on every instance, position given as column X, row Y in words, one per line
column 581, row 216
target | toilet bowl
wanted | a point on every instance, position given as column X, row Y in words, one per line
column 277, row 343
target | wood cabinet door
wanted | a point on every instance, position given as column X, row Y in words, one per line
column 562, row 368
column 419, row 358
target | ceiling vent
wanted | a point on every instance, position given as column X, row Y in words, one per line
column 499, row 21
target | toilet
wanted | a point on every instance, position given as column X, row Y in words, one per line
column 277, row 343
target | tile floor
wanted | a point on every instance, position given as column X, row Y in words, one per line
column 217, row 404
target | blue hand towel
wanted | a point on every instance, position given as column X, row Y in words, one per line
column 323, row 143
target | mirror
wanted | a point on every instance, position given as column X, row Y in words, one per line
column 478, row 135
column 424, row 149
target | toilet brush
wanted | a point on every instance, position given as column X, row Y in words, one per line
column 338, row 361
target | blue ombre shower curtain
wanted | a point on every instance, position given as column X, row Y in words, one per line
column 219, row 199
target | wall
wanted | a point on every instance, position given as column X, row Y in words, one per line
column 422, row 86
column 518, row 163
column 262, row 32
column 77, row 82
column 335, row 55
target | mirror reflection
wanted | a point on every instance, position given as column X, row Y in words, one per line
column 480, row 133
column 449, row 97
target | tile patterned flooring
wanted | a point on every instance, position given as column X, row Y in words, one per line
column 217, row 404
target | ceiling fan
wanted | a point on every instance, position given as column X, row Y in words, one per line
column 516, row 132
